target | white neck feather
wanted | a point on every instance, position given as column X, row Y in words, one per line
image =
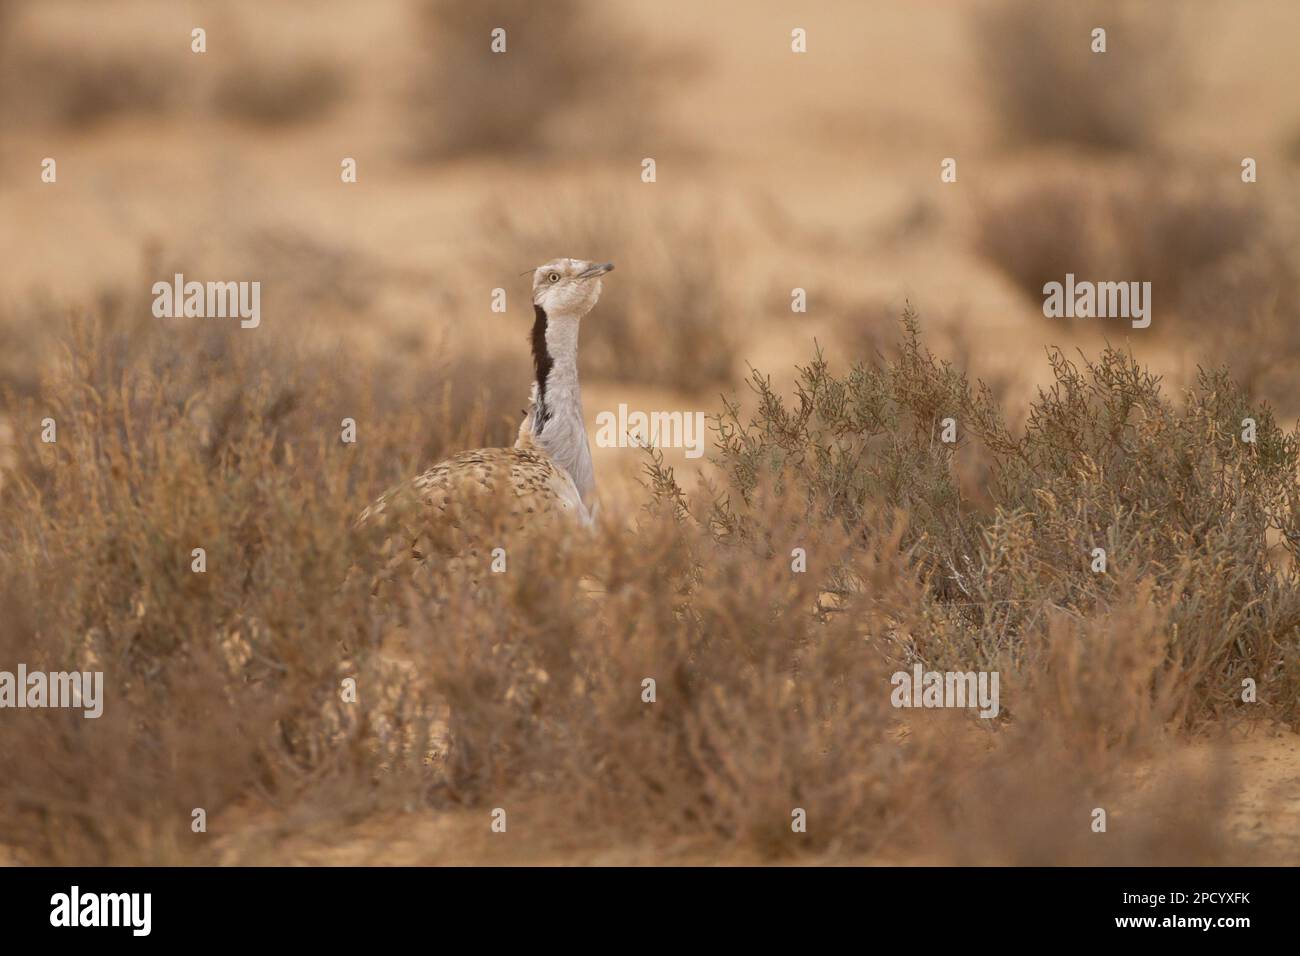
column 558, row 425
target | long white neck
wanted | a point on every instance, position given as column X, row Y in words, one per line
column 557, row 422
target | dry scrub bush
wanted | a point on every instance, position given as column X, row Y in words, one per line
column 278, row 92
column 302, row 273
column 1178, row 501
column 222, row 688
column 25, row 341
column 1222, row 272
column 71, row 85
column 524, row 689
column 760, row 706
column 570, row 79
column 1045, row 83
column 1043, row 231
column 1248, row 312
column 667, row 296
column 866, row 331
column 50, row 77
column 1168, row 234
column 768, row 698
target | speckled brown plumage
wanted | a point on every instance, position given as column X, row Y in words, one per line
column 536, row 486
column 457, row 512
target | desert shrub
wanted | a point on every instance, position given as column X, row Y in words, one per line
column 277, row 92
column 757, row 701
column 867, row 330
column 1222, row 271
column 72, row 85
column 1153, row 231
column 206, row 674
column 570, row 80
column 47, row 76
column 1039, row 233
column 1177, row 499
column 55, row 75
column 222, row 687
column 1172, row 235
column 24, row 343
column 1045, row 83
column 524, row 689
column 303, row 273
column 769, row 697
column 1246, row 312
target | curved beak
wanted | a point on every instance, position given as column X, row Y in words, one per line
column 596, row 270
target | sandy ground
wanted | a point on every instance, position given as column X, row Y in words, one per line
column 1263, row 819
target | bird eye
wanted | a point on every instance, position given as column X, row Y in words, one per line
column 554, row 277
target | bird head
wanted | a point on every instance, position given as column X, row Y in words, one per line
column 568, row 286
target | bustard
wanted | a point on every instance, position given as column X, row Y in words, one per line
column 548, row 472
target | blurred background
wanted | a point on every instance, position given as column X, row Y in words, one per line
column 775, row 171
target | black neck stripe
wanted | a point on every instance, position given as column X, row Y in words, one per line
column 542, row 363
